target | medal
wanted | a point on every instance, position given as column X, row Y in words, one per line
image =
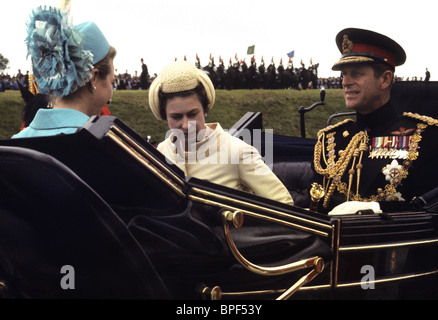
column 391, row 147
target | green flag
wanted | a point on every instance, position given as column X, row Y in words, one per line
column 251, row 50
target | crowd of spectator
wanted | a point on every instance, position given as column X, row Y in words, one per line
column 237, row 75
column 8, row 82
column 126, row 81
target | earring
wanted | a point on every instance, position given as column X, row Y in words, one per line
column 93, row 89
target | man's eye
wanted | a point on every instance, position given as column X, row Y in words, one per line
column 358, row 73
column 353, row 73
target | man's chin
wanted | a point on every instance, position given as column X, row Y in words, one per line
column 351, row 103
column 351, row 106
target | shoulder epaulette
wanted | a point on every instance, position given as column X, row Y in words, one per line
column 429, row 120
column 334, row 126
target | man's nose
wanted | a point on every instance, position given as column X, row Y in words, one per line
column 346, row 81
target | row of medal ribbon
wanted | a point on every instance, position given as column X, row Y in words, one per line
column 393, row 147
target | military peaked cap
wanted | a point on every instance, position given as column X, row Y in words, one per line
column 364, row 46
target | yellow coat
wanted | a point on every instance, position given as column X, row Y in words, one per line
column 228, row 161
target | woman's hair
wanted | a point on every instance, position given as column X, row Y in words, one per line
column 104, row 66
column 199, row 91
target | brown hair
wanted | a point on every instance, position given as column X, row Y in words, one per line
column 198, row 91
column 380, row 68
column 104, row 67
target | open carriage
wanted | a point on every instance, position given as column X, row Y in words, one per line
column 106, row 205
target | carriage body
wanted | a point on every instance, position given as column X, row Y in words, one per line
column 184, row 230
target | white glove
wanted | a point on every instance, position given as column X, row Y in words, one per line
column 351, row 207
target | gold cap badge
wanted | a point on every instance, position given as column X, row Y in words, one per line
column 347, row 45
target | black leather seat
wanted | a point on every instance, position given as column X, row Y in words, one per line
column 50, row 218
column 416, row 96
column 297, row 177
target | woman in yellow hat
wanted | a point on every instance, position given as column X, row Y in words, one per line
column 182, row 95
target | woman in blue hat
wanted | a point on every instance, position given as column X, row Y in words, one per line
column 73, row 65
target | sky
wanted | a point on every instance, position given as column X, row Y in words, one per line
column 161, row 31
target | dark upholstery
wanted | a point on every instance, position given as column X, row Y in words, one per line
column 297, row 178
column 416, row 96
column 50, row 218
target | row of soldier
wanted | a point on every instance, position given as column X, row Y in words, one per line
column 240, row 75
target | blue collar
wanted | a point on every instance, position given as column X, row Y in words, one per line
column 58, row 118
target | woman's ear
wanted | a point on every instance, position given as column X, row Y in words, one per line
column 94, row 75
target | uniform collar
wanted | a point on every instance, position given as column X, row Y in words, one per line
column 378, row 118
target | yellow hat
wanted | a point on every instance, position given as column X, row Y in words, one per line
column 179, row 76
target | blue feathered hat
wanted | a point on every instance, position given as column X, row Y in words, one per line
column 62, row 55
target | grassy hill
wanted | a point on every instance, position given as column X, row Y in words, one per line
column 279, row 108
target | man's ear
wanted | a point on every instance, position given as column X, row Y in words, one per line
column 387, row 79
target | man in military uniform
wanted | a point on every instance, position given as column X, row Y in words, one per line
column 384, row 159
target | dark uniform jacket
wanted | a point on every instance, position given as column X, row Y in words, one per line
column 383, row 156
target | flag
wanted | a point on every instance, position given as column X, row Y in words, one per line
column 251, row 50
column 291, row 54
